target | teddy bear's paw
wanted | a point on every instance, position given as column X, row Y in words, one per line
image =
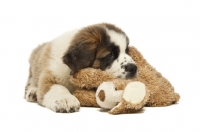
column 31, row 94
column 134, row 97
column 134, row 92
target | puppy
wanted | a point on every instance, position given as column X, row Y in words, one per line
column 101, row 46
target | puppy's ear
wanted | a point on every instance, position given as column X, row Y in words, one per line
column 83, row 48
column 79, row 56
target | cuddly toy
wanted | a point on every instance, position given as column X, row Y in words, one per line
column 129, row 100
column 155, row 89
column 119, row 95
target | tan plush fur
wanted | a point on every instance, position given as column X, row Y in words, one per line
column 125, row 107
column 161, row 91
column 87, row 97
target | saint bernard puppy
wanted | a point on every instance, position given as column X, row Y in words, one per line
column 101, row 46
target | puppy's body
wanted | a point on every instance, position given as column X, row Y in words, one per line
column 102, row 46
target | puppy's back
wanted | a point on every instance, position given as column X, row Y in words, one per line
column 39, row 60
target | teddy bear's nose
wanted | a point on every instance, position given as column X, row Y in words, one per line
column 132, row 68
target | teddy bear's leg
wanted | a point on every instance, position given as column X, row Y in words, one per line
column 110, row 98
column 160, row 98
column 134, row 98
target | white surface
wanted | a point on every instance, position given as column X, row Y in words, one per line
column 167, row 32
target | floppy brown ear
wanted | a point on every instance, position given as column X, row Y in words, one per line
column 82, row 52
column 80, row 56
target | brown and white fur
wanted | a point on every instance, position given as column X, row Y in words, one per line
column 102, row 46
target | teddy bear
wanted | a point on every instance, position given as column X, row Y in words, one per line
column 131, row 99
column 156, row 89
column 109, row 92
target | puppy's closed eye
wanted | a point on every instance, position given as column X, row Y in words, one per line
column 111, row 55
column 114, row 53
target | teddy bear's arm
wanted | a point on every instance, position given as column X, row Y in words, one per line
column 86, row 97
column 90, row 78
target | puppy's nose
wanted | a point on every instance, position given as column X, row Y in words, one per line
column 132, row 68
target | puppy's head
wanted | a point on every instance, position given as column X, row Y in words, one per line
column 101, row 46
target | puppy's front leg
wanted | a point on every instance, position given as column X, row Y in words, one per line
column 55, row 96
column 59, row 99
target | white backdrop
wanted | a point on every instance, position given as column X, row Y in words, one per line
column 167, row 32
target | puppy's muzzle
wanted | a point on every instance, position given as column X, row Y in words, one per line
column 131, row 70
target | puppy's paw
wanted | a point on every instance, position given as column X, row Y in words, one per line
column 59, row 99
column 67, row 104
column 31, row 94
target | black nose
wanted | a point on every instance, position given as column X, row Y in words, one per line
column 132, row 68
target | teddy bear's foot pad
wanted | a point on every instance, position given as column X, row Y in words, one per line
column 134, row 97
column 134, row 92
